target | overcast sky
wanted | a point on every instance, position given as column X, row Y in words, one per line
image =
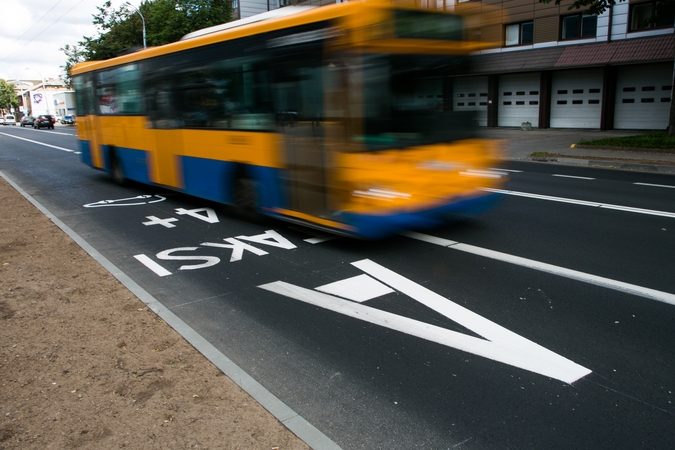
column 32, row 31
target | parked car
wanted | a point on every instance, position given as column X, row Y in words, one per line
column 68, row 120
column 27, row 120
column 44, row 121
column 9, row 120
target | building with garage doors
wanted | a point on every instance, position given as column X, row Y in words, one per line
column 558, row 68
column 554, row 67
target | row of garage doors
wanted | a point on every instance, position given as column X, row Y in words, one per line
column 642, row 98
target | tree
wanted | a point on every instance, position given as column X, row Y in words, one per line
column 121, row 29
column 74, row 55
column 665, row 10
column 7, row 96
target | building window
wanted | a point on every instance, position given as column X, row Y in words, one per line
column 235, row 4
column 519, row 33
column 283, row 3
column 644, row 16
column 578, row 26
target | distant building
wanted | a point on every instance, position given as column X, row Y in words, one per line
column 36, row 97
column 64, row 103
column 558, row 68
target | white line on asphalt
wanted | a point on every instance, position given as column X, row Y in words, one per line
column 633, row 289
column 572, row 176
column 506, row 170
column 39, row 143
column 650, row 212
column 55, row 132
column 655, row 185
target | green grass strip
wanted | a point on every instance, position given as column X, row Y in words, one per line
column 651, row 140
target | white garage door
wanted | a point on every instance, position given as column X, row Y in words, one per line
column 470, row 94
column 518, row 100
column 576, row 99
column 643, row 97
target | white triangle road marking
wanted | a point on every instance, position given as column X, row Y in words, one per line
column 499, row 344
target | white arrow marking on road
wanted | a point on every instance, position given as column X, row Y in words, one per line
column 131, row 201
column 499, row 344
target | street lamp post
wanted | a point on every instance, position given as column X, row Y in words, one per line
column 44, row 89
column 142, row 20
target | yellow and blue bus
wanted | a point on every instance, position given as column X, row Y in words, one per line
column 337, row 117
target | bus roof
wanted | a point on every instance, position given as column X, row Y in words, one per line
column 279, row 12
column 271, row 23
column 281, row 18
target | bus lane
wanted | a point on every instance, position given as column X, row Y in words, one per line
column 296, row 315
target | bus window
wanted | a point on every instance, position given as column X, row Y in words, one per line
column 128, row 89
column 118, row 90
column 244, row 93
column 159, row 101
column 403, row 104
column 84, row 95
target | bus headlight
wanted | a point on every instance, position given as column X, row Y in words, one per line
column 483, row 173
column 380, row 193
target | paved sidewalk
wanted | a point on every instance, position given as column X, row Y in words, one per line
column 561, row 145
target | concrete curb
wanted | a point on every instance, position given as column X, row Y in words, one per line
column 640, row 150
column 606, row 164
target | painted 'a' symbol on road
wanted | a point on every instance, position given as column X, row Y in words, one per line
column 498, row 343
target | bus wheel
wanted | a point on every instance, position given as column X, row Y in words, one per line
column 117, row 172
column 246, row 199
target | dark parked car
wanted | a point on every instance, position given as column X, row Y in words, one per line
column 67, row 120
column 27, row 120
column 44, row 121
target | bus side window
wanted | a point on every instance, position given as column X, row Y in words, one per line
column 128, row 89
column 84, row 95
column 160, row 104
column 105, row 92
column 196, row 99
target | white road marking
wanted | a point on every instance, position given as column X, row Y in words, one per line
column 655, row 185
column 572, row 176
column 237, row 247
column 318, row 240
column 154, row 220
column 150, row 264
column 270, row 237
column 359, row 288
column 651, row 212
column 506, row 170
column 502, row 345
column 209, row 215
column 131, row 201
column 39, row 143
column 633, row 289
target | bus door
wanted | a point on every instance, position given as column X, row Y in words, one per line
column 299, row 104
column 163, row 166
column 90, row 123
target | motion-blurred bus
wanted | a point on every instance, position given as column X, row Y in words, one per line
column 337, row 117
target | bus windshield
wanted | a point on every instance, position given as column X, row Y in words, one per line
column 405, row 104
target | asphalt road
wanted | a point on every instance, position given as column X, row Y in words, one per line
column 545, row 323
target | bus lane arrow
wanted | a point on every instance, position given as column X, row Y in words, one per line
column 499, row 344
